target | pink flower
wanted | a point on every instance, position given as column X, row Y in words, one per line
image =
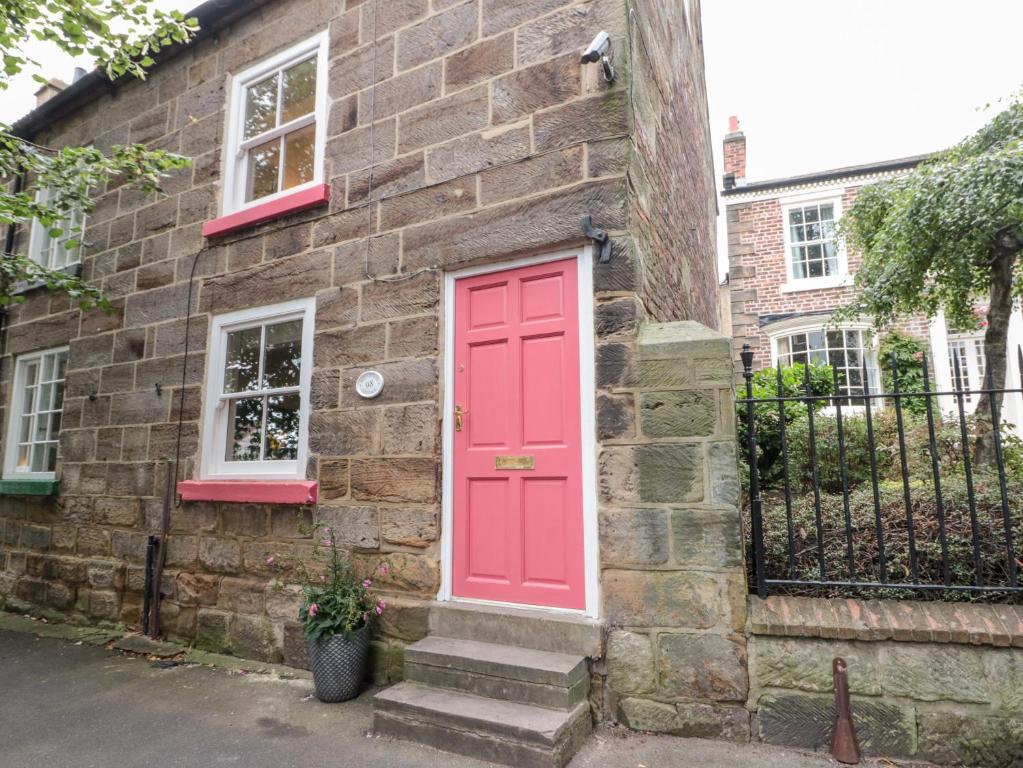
column 323, row 577
column 326, row 530
column 379, row 610
column 385, row 568
column 367, row 584
column 314, row 609
column 270, row 560
column 328, row 543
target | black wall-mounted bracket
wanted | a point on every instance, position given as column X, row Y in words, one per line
column 599, row 236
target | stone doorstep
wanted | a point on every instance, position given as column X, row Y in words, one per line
column 536, row 629
column 513, row 663
column 501, row 688
column 464, row 712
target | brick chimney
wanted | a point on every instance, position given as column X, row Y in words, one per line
column 48, row 90
column 735, row 155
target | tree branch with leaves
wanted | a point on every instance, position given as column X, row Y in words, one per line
column 948, row 236
column 122, row 38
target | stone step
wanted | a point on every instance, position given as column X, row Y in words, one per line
column 488, row 729
column 541, row 678
column 521, row 627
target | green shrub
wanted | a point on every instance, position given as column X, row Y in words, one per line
column 907, row 355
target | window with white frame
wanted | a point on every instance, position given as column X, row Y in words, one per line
column 966, row 364
column 37, row 402
column 278, row 126
column 811, row 240
column 57, row 246
column 845, row 350
column 258, row 397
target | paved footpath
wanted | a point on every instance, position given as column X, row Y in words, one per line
column 73, row 704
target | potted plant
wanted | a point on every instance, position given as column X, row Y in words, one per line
column 337, row 611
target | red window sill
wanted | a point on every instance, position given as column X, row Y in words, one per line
column 250, row 491
column 258, row 214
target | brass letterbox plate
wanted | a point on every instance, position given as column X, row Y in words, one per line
column 515, row 462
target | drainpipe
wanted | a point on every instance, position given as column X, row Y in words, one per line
column 19, row 180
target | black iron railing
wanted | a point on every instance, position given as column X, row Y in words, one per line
column 854, row 490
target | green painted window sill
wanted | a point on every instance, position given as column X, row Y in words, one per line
column 29, row 487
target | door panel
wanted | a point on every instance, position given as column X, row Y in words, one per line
column 517, row 485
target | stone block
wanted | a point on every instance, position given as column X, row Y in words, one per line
column 698, row 720
column 805, row 665
column 616, row 418
column 934, row 673
column 410, row 429
column 480, row 62
column 60, row 596
column 724, row 474
column 710, row 538
column 664, row 599
column 806, row 721
column 702, row 667
column 350, row 346
column 408, row 526
column 656, row 474
column 336, row 307
column 387, row 662
column 415, row 337
column 478, row 152
column 534, row 88
column 105, row 605
column 405, row 381
column 395, row 480
column 1005, row 671
column 598, row 117
column 197, row 589
column 220, row 555
column 211, row 632
column 386, row 301
column 958, row 738
column 633, row 537
column 405, row 620
column 291, row 522
column 344, row 433
column 283, row 601
column 402, row 93
column 400, row 572
column 515, row 227
column 438, row 35
column 296, row 647
column 499, row 15
column 333, row 479
column 105, row 574
column 252, row 637
column 240, row 595
column 270, row 283
column 97, row 542
column 618, row 317
column 630, row 662
column 243, row 520
column 428, row 204
column 647, row 715
column 444, row 119
column 353, row 527
column 678, row 414
column 395, row 177
column 532, row 176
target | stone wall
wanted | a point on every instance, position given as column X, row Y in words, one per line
column 941, row 682
column 485, row 140
column 672, row 173
column 673, row 583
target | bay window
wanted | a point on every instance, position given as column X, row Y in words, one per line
column 258, row 397
column 845, row 350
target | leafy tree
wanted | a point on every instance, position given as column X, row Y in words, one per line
column 907, row 354
column 945, row 235
column 122, row 37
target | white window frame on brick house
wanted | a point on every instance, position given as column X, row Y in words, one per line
column 969, row 348
column 794, row 284
column 786, row 329
column 214, row 464
column 52, row 252
column 17, row 415
column 237, row 155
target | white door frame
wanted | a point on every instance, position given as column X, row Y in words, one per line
column 588, row 378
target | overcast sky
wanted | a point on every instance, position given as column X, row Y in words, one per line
column 819, row 84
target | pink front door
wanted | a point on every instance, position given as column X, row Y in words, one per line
column 518, row 510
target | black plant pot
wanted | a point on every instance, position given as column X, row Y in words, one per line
column 339, row 665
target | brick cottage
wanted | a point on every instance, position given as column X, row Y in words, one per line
column 788, row 272
column 371, row 302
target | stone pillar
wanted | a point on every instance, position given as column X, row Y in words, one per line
column 673, row 580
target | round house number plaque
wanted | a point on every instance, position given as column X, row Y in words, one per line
column 369, row 384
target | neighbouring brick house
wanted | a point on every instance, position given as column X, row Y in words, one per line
column 370, row 302
column 788, row 272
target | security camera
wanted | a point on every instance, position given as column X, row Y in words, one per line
column 600, row 51
column 598, row 48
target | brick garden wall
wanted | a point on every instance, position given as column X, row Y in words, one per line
column 489, row 141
